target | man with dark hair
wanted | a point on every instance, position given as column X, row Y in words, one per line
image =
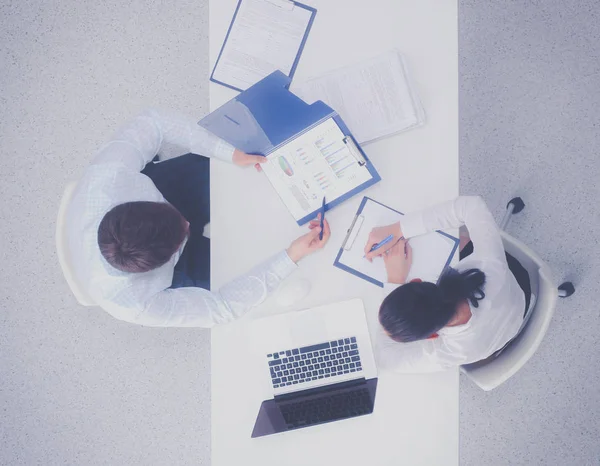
column 136, row 228
column 141, row 236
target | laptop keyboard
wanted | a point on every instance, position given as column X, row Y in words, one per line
column 325, row 408
column 298, row 365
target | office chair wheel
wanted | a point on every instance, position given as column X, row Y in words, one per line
column 566, row 289
column 518, row 204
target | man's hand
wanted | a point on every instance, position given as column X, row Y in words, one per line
column 309, row 243
column 242, row 159
column 377, row 235
column 398, row 262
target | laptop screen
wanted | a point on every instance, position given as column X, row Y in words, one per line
column 315, row 406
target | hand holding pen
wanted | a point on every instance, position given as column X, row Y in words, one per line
column 381, row 239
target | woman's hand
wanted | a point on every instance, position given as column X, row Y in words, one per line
column 398, row 260
column 377, row 235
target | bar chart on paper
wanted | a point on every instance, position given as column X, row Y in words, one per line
column 317, row 163
column 337, row 156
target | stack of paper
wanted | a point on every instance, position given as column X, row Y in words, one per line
column 375, row 98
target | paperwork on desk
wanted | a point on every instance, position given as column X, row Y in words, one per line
column 311, row 151
column 264, row 36
column 432, row 252
column 320, row 162
column 375, row 98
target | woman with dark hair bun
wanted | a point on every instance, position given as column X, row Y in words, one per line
column 472, row 311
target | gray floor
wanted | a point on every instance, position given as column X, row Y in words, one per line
column 77, row 386
column 80, row 388
column 530, row 126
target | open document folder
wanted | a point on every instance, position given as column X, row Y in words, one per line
column 264, row 36
column 376, row 97
column 311, row 152
column 432, row 253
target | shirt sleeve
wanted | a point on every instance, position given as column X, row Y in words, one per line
column 196, row 307
column 470, row 211
column 431, row 355
column 437, row 354
column 158, row 132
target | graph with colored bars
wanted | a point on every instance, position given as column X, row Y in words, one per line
column 337, row 156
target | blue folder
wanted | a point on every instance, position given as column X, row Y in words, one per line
column 356, row 273
column 267, row 116
column 298, row 55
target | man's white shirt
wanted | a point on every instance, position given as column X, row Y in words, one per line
column 114, row 178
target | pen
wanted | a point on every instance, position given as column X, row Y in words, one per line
column 322, row 219
column 382, row 243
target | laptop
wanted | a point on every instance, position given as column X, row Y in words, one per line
column 320, row 366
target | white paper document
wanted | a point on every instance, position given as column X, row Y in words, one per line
column 317, row 163
column 431, row 252
column 265, row 36
column 375, row 98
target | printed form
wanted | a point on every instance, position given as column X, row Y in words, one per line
column 265, row 36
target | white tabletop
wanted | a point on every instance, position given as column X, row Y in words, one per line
column 415, row 421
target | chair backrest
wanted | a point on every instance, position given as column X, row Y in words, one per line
column 490, row 373
column 62, row 248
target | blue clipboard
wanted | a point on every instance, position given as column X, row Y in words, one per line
column 267, row 116
column 356, row 273
column 298, row 55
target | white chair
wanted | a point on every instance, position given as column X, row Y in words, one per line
column 498, row 368
column 62, row 248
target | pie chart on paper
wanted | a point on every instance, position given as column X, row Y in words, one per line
column 285, row 166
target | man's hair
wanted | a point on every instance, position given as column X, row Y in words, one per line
column 140, row 236
column 416, row 310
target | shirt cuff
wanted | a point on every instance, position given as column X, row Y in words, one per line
column 205, row 143
column 412, row 225
column 224, row 151
column 282, row 265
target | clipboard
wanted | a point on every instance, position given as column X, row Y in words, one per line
column 361, row 227
column 360, row 158
column 281, row 3
column 267, row 116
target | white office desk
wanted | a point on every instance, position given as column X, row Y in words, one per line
column 415, row 421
